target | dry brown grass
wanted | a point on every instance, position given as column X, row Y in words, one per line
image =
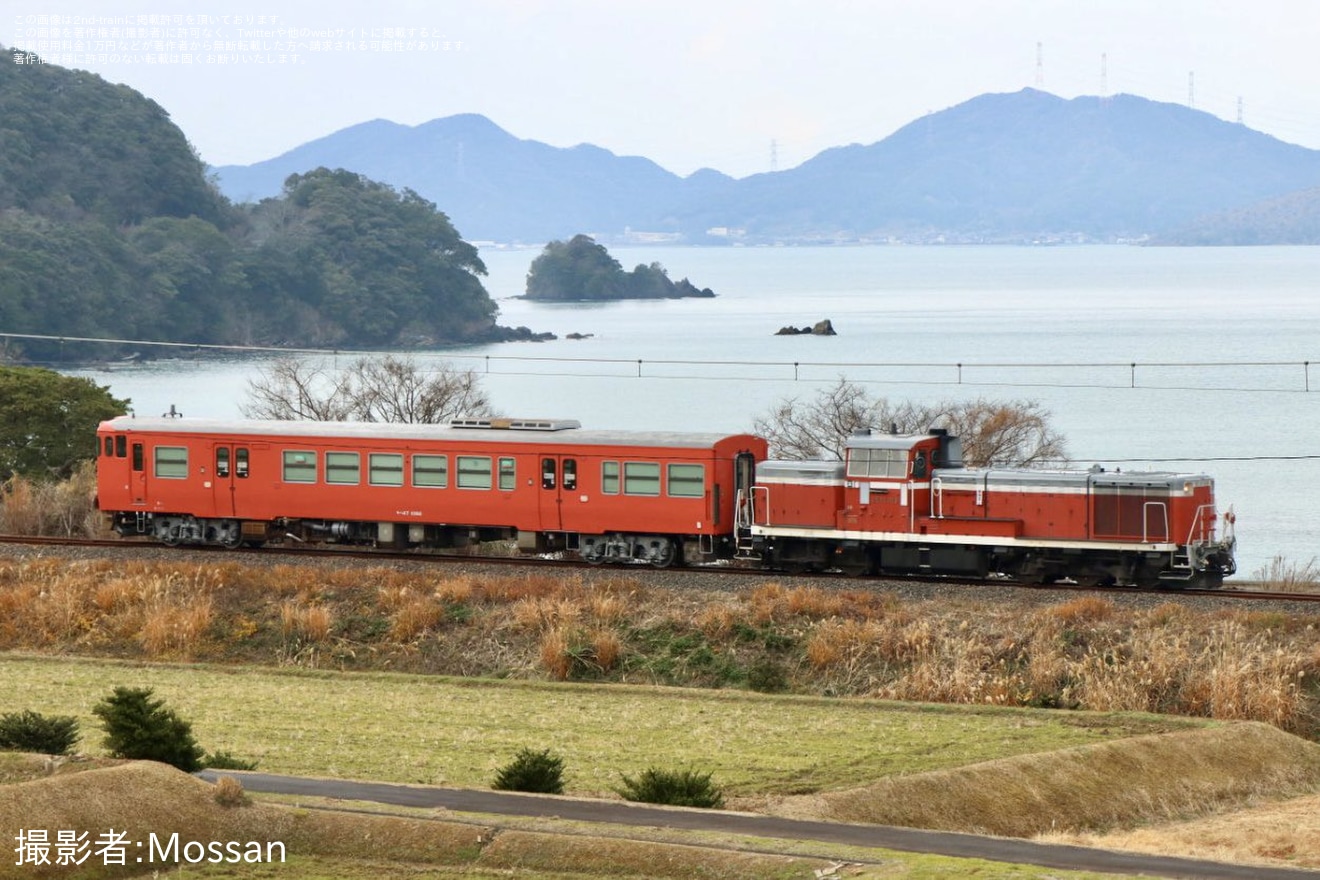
column 1279, row 833
column 1283, row 575
column 1086, row 653
column 65, row 508
column 1124, row 783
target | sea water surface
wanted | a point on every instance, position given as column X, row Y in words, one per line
column 1188, row 359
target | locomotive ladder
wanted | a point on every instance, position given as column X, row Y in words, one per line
column 744, row 516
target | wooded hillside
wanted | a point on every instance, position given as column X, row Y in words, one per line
column 109, row 228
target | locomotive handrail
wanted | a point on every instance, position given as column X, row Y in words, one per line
column 745, row 517
column 1145, row 520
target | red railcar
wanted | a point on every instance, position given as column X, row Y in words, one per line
column 656, row 497
column 906, row 504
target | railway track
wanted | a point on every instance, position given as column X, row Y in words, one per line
column 1247, row 591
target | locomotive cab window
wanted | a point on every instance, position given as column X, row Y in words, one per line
column 385, row 469
column 109, row 447
column 343, row 468
column 299, row 466
column 121, row 446
column 687, row 481
column 430, row 471
column 171, row 462
column 892, row 463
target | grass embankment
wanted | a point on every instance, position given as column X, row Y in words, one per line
column 805, row 754
column 1087, row 653
column 141, row 798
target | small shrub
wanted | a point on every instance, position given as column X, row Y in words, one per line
column 677, row 788
column 29, row 731
column 229, row 792
column 141, row 728
column 767, row 677
column 226, row 761
column 539, row 772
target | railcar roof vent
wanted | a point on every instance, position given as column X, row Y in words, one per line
column 506, row 424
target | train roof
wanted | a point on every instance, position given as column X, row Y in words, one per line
column 1042, row 477
column 519, row 431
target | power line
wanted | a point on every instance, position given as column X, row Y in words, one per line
column 958, row 373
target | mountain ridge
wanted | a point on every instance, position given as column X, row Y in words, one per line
column 1020, row 166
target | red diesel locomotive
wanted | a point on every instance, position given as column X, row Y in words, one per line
column 895, row 504
column 906, row 504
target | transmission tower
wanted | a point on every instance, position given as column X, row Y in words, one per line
column 1239, row 116
column 1104, row 74
column 1040, row 66
column 1191, row 89
column 774, row 155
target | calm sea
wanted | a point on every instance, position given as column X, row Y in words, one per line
column 1167, row 358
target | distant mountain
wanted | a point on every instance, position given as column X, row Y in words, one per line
column 1290, row 219
column 490, row 183
column 1000, row 167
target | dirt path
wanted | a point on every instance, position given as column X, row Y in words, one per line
column 620, row 813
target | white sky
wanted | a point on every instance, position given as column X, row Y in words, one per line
column 687, row 83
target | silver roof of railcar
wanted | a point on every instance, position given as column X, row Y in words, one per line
column 542, row 432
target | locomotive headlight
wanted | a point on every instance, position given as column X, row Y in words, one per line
column 1187, row 487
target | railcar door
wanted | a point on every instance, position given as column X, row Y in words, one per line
column 559, row 480
column 229, row 466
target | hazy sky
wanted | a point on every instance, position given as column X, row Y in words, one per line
column 728, row 84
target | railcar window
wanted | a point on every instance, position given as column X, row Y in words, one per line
column 609, row 477
column 137, row 457
column 299, row 466
column 687, row 480
column 222, row 461
column 109, row 447
column 877, row 463
column 570, row 473
column 385, row 469
column 641, row 478
column 171, row 462
column 343, row 468
column 430, row 471
column 508, row 474
column 548, row 473
column 121, row 446
column 473, row 471
column 240, row 462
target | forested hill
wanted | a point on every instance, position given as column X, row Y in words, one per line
column 75, row 147
column 110, row 229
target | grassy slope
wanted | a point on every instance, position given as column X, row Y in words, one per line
column 434, row 730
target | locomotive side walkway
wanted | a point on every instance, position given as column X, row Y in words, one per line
column 943, row 843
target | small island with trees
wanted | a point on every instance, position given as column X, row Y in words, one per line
column 581, row 270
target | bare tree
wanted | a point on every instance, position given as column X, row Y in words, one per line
column 1013, row 433
column 385, row 389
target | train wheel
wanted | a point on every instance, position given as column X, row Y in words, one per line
column 664, row 554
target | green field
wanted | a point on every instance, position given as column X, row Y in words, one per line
column 432, row 730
